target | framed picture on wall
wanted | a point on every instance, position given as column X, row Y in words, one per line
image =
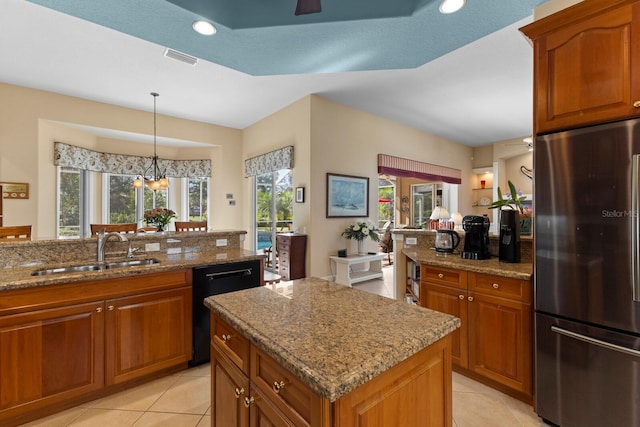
column 347, row 196
column 299, row 194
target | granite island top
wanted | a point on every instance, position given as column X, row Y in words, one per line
column 20, row 277
column 522, row 271
column 331, row 337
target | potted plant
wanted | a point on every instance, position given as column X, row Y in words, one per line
column 513, row 201
column 360, row 231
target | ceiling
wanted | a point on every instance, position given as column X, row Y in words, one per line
column 465, row 76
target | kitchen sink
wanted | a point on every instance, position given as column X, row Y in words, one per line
column 96, row 266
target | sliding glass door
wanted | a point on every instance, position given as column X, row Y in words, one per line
column 273, row 210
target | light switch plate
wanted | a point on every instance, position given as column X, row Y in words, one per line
column 174, row 251
column 411, row 240
column 221, row 242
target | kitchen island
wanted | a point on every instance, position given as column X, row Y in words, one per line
column 313, row 352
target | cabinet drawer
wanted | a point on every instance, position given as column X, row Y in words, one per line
column 505, row 287
column 230, row 342
column 284, row 243
column 444, row 276
column 286, row 392
column 283, row 257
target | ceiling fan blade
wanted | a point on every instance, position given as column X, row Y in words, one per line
column 308, row 6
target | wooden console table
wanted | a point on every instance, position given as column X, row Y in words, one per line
column 345, row 274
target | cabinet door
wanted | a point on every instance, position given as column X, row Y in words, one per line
column 586, row 71
column 147, row 333
column 229, row 388
column 47, row 356
column 452, row 301
column 500, row 340
column 264, row 414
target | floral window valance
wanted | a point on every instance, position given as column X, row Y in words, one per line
column 269, row 162
column 82, row 158
column 408, row 168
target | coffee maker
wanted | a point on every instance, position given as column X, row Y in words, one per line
column 476, row 237
column 509, row 249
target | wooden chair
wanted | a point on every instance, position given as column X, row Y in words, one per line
column 191, row 225
column 20, row 232
column 118, row 228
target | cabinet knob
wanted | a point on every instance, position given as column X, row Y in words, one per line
column 470, row 298
column 110, row 308
column 248, row 401
column 461, row 296
column 636, row 104
column 440, row 275
column 238, row 392
column 226, row 337
column 99, row 309
column 277, row 386
column 495, row 286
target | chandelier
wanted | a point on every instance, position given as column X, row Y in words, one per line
column 153, row 177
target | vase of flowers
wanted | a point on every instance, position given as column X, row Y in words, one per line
column 159, row 217
column 359, row 232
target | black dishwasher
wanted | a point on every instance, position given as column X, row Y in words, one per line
column 213, row 280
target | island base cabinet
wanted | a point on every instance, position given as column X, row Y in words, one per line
column 229, row 387
column 49, row 356
column 414, row 393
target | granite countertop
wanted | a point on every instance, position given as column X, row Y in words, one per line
column 331, row 337
column 522, row 271
column 20, row 277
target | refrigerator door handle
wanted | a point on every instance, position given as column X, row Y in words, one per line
column 635, row 226
column 595, row 341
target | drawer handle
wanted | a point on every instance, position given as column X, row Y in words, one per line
column 440, row 275
column 99, row 309
column 277, row 386
column 111, row 308
column 470, row 298
column 461, row 296
column 226, row 338
column 636, row 104
column 239, row 392
column 248, row 401
column 495, row 286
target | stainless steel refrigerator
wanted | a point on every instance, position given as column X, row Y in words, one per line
column 587, row 284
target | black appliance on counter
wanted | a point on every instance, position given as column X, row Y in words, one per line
column 476, row 237
column 509, row 247
column 587, row 275
column 213, row 280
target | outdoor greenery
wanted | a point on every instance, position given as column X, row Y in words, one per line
column 284, row 201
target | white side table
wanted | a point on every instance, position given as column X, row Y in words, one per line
column 345, row 274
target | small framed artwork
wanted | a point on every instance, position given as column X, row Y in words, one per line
column 347, row 196
column 299, row 194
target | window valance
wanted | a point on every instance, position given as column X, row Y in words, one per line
column 397, row 166
column 82, row 158
column 269, row 162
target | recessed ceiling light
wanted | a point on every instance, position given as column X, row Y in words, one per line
column 450, row 6
column 205, row 28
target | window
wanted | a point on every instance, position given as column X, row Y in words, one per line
column 71, row 203
column 121, row 206
column 386, row 201
column 198, row 196
column 273, row 209
column 425, row 197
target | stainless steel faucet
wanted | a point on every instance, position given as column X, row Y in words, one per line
column 102, row 242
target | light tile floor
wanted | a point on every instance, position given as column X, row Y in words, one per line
column 183, row 399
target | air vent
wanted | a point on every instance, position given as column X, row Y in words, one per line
column 179, row 56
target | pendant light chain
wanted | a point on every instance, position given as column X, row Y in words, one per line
column 159, row 180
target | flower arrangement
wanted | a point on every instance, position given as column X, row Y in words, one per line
column 159, row 217
column 361, row 230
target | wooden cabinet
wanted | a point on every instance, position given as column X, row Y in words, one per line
column 49, row 355
column 146, row 333
column 292, row 253
column 415, row 392
column 63, row 344
column 586, row 64
column 495, row 340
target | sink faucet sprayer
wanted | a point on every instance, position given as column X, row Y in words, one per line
column 102, row 242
